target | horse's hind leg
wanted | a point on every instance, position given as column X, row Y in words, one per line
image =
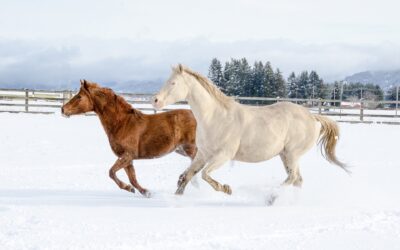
column 291, row 164
column 213, row 165
column 130, row 171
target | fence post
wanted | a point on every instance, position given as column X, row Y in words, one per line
column 319, row 106
column 26, row 100
column 362, row 110
column 66, row 95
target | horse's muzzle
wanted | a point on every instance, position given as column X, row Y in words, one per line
column 157, row 104
column 63, row 113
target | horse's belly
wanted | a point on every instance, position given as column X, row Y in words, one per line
column 254, row 156
column 259, row 150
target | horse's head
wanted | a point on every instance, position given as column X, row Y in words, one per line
column 81, row 102
column 174, row 90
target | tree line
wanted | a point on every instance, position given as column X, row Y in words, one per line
column 238, row 78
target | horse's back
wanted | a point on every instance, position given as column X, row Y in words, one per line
column 269, row 129
column 303, row 129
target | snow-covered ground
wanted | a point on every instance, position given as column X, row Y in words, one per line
column 55, row 193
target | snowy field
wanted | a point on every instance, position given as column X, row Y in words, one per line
column 55, row 193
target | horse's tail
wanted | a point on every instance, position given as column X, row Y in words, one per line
column 328, row 137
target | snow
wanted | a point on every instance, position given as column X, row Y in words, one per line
column 55, row 193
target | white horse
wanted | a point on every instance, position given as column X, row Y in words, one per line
column 227, row 130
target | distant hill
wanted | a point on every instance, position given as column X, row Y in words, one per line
column 142, row 87
column 383, row 78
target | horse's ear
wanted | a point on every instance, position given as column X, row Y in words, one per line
column 85, row 85
column 180, row 68
column 82, row 81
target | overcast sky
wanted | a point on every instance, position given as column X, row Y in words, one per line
column 58, row 42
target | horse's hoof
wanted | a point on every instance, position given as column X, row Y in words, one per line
column 181, row 180
column 227, row 189
column 145, row 193
column 179, row 191
column 132, row 190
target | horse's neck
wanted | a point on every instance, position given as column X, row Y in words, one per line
column 204, row 106
column 111, row 119
column 108, row 121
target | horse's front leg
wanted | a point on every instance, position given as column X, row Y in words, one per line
column 215, row 163
column 197, row 164
column 130, row 171
column 122, row 162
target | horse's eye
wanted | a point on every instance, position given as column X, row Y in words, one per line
column 172, row 83
column 78, row 97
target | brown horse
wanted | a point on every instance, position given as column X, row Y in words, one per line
column 132, row 134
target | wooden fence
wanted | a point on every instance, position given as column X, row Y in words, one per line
column 46, row 102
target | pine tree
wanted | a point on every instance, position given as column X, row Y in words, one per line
column 315, row 86
column 304, row 85
column 392, row 95
column 335, row 93
column 258, row 79
column 228, row 71
column 292, row 86
column 279, row 85
column 234, row 79
column 373, row 92
column 215, row 74
column 244, row 78
column 269, row 80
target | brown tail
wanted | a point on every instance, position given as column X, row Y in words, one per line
column 328, row 138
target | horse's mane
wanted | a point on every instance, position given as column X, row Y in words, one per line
column 120, row 103
column 210, row 87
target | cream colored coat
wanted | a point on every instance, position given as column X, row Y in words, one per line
column 227, row 130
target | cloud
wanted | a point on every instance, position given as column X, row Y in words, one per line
column 60, row 64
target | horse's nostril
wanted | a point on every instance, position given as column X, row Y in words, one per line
column 62, row 110
column 156, row 100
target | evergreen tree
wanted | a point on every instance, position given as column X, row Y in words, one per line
column 269, row 80
column 359, row 90
column 228, row 72
column 237, row 75
column 244, row 78
column 392, row 94
column 373, row 92
column 215, row 74
column 258, row 78
column 304, row 90
column 315, row 86
column 238, row 78
column 234, row 78
column 335, row 93
column 279, row 85
column 292, row 86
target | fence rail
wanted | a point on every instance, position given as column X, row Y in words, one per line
column 43, row 101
